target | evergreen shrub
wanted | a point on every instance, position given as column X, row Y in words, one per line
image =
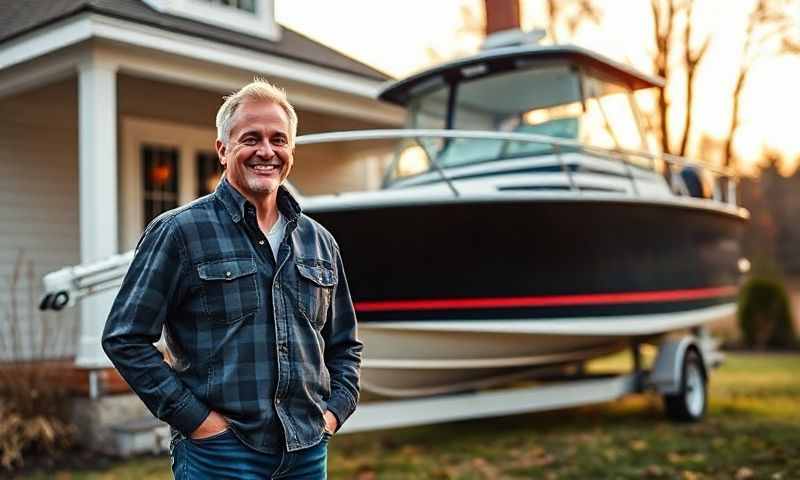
column 765, row 314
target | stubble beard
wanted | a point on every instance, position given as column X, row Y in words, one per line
column 263, row 188
column 260, row 187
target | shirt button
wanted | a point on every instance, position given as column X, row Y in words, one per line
column 228, row 274
column 278, row 401
column 261, row 242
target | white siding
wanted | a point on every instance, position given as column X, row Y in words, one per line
column 38, row 217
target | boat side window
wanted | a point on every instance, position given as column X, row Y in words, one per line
column 610, row 121
column 426, row 111
column 429, row 110
column 411, row 158
column 644, row 100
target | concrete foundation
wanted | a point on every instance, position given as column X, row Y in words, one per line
column 102, row 422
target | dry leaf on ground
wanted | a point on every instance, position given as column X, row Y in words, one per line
column 744, row 473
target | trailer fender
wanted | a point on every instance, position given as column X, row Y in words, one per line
column 665, row 376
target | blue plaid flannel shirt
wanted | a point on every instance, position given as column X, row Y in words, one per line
column 268, row 344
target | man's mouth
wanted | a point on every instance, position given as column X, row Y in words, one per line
column 266, row 167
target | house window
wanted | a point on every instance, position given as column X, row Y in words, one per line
column 160, row 180
column 245, row 5
column 209, row 171
column 253, row 17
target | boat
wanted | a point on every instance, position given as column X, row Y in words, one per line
column 526, row 223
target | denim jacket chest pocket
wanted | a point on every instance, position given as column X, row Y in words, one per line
column 229, row 287
column 315, row 282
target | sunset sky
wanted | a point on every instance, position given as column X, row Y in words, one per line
column 397, row 36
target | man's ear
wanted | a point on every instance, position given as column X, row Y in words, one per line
column 221, row 149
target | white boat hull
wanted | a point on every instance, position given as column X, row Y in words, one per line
column 405, row 359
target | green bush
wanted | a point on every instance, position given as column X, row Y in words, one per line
column 765, row 314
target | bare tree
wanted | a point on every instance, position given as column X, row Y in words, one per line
column 471, row 27
column 663, row 26
column 668, row 45
column 572, row 13
column 692, row 59
column 768, row 32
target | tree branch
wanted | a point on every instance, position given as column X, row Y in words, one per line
column 692, row 59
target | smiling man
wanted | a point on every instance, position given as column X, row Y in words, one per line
column 253, row 301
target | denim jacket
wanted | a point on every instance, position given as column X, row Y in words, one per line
column 268, row 344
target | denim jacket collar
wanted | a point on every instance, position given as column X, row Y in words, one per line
column 235, row 202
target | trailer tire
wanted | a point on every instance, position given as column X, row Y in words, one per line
column 690, row 403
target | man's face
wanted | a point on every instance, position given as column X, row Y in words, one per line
column 257, row 157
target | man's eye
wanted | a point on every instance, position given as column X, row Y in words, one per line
column 279, row 141
column 249, row 141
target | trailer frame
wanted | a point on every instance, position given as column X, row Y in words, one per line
column 665, row 378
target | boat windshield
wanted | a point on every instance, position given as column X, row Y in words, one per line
column 556, row 101
column 544, row 101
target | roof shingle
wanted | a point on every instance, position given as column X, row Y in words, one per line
column 19, row 17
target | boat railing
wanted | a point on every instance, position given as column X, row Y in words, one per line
column 672, row 167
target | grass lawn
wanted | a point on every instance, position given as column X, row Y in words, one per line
column 752, row 432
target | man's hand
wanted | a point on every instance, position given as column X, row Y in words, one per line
column 212, row 425
column 331, row 424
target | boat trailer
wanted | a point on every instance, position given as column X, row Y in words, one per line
column 679, row 373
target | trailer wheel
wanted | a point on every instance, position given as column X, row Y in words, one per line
column 689, row 404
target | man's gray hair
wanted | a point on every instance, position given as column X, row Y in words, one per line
column 258, row 89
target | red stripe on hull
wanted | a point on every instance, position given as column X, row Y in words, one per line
column 548, row 300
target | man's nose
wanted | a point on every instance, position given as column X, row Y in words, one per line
column 265, row 149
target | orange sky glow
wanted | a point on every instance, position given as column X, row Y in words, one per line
column 398, row 37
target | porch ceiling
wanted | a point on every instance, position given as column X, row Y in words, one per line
column 181, row 104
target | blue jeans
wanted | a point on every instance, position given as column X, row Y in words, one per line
column 224, row 456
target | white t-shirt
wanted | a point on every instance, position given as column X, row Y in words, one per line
column 276, row 234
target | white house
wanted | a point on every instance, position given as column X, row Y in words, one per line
column 107, row 118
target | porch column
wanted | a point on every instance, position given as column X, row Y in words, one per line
column 97, row 150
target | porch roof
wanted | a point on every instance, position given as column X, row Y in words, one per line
column 18, row 18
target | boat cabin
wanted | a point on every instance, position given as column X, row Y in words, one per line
column 565, row 92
